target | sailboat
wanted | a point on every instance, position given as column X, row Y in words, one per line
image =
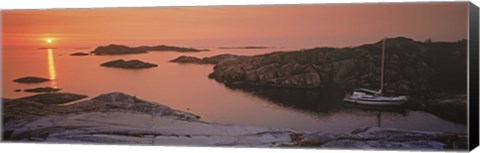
column 372, row 97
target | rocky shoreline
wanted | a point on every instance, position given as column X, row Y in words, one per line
column 118, row 118
column 433, row 74
column 410, row 67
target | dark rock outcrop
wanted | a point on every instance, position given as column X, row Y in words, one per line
column 410, row 67
column 53, row 98
column 42, row 89
column 131, row 64
column 207, row 60
column 79, row 54
column 31, row 80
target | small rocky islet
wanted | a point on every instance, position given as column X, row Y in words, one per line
column 246, row 47
column 121, row 118
column 207, row 60
column 130, row 64
column 169, row 48
column 31, row 79
column 79, row 54
column 114, row 49
column 42, row 89
column 188, row 59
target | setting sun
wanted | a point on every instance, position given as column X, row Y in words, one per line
column 49, row 40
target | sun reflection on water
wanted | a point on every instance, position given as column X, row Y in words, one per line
column 51, row 68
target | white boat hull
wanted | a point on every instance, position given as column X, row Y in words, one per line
column 375, row 102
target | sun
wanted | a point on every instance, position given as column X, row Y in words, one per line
column 49, row 40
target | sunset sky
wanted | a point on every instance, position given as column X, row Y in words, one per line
column 281, row 25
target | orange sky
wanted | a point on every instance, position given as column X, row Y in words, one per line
column 281, row 25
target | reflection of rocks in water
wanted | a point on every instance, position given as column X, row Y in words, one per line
column 315, row 100
column 392, row 109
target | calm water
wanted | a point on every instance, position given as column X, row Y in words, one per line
column 186, row 86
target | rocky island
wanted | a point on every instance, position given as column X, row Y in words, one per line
column 31, row 79
column 245, row 47
column 79, row 54
column 207, row 60
column 410, row 65
column 130, row 64
column 169, row 48
column 426, row 71
column 113, row 49
column 188, row 59
column 120, row 118
column 42, row 89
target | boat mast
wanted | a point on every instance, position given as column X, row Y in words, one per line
column 383, row 67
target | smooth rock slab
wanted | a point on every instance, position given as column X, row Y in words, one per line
column 118, row 118
column 382, row 138
column 117, row 127
column 195, row 140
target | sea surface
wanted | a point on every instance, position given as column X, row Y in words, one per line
column 187, row 87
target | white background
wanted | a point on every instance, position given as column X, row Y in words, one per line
column 68, row 148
